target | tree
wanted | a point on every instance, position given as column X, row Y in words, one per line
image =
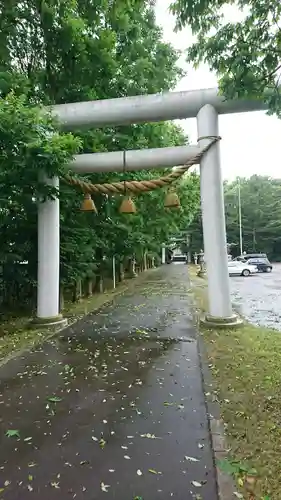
column 29, row 143
column 64, row 51
column 261, row 215
column 245, row 54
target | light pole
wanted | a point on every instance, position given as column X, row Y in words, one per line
column 240, row 217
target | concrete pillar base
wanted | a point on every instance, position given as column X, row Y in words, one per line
column 214, row 322
column 55, row 323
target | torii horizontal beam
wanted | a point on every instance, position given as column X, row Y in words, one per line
column 140, row 159
column 148, row 108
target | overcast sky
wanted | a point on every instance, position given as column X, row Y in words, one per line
column 250, row 141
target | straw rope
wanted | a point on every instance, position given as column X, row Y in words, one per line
column 138, row 187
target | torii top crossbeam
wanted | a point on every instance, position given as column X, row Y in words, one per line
column 148, row 108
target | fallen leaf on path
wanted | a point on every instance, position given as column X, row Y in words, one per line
column 54, row 399
column 149, row 436
column 153, row 471
column 13, row 433
column 55, row 485
column 196, row 484
column 104, row 487
column 191, row 459
column 102, row 443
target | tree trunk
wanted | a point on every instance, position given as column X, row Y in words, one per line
column 121, row 271
column 89, row 291
column 145, row 261
column 61, row 298
column 77, row 291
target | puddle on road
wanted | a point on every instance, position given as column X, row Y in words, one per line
column 258, row 298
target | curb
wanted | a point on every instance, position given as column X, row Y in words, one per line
column 108, row 299
column 226, row 487
column 225, row 484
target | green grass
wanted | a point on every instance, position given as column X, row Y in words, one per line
column 246, row 366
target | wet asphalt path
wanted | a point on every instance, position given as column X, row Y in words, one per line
column 114, row 408
column 258, row 297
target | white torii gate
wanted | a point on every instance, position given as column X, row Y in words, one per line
column 206, row 105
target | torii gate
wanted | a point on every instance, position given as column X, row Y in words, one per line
column 206, row 105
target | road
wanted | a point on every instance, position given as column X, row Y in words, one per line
column 113, row 408
column 258, row 298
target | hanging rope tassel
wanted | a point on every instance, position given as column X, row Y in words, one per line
column 127, row 206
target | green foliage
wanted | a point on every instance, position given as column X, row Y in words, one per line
column 29, row 144
column 68, row 51
column 261, row 217
column 246, row 54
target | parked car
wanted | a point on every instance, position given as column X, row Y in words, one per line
column 248, row 256
column 263, row 264
column 236, row 268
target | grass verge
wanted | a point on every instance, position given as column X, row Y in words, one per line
column 246, row 367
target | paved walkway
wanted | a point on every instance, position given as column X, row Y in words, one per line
column 114, row 408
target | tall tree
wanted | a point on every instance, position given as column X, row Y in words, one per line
column 244, row 54
column 261, row 215
column 57, row 51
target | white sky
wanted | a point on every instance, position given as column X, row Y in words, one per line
column 250, row 141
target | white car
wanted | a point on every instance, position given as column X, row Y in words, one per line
column 236, row 268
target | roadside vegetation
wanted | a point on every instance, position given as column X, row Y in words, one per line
column 246, row 366
column 91, row 54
